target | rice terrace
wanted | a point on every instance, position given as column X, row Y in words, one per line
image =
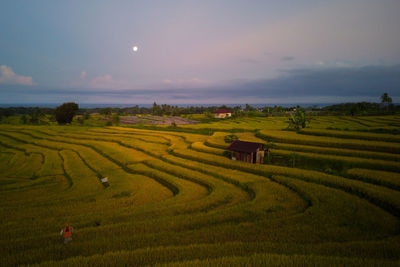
column 173, row 197
column 200, row 133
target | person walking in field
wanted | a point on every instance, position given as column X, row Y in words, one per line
column 67, row 231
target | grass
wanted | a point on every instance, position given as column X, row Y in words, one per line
column 296, row 138
column 353, row 135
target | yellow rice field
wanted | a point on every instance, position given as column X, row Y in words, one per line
column 323, row 196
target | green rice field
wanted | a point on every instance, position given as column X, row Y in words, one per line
column 328, row 195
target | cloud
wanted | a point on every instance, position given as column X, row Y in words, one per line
column 103, row 81
column 185, row 83
column 288, row 58
column 300, row 85
column 332, row 81
column 329, row 84
column 8, row 76
column 83, row 75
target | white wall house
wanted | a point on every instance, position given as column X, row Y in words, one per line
column 222, row 113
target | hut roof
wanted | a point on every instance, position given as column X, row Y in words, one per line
column 243, row 146
column 222, row 110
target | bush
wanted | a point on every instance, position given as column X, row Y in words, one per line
column 227, row 154
column 298, row 120
column 115, row 119
column 230, row 138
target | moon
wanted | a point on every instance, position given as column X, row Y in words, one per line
column 135, row 48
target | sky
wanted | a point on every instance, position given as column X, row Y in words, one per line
column 199, row 52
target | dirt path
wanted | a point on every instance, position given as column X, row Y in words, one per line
column 156, row 120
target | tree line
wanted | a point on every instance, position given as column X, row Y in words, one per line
column 65, row 112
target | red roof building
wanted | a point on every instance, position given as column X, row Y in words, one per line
column 222, row 113
column 222, row 110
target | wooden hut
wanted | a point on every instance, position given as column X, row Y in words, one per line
column 247, row 151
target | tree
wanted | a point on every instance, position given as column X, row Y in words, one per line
column 24, row 119
column 66, row 112
column 278, row 109
column 298, row 119
column 36, row 115
column 385, row 98
column 236, row 114
column 175, row 111
column 115, row 119
column 267, row 111
column 249, row 108
column 106, row 112
column 209, row 115
column 156, row 109
column 354, row 110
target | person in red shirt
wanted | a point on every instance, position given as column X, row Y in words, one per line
column 67, row 231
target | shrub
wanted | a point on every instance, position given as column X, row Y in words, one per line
column 227, row 154
column 115, row 119
column 298, row 119
column 230, row 138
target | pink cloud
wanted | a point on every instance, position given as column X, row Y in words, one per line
column 8, row 76
column 106, row 82
column 83, row 75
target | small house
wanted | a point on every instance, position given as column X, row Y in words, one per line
column 222, row 113
column 247, row 151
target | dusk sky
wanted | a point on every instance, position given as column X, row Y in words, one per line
column 199, row 52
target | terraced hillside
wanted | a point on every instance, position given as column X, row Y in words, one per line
column 378, row 124
column 326, row 197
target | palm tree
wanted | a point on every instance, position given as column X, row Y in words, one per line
column 298, row 119
column 385, row 98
